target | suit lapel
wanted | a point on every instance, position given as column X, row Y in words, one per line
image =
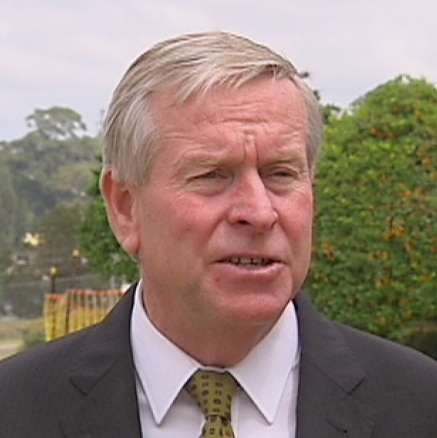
column 329, row 376
column 104, row 375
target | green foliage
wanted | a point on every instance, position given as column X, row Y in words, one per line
column 422, row 336
column 44, row 178
column 98, row 243
column 28, row 332
column 376, row 228
column 51, row 164
column 12, row 329
column 33, row 334
column 56, row 123
column 8, row 207
column 58, row 233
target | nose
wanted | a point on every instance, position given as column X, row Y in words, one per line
column 251, row 205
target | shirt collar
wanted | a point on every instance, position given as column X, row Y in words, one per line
column 163, row 375
column 277, row 355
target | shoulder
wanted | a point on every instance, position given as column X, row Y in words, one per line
column 39, row 387
column 400, row 383
column 384, row 370
column 56, row 359
column 379, row 355
column 40, row 365
column 396, row 383
column 36, row 389
column 52, row 363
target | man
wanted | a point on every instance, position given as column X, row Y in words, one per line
column 210, row 144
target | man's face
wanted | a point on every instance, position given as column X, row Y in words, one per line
column 224, row 223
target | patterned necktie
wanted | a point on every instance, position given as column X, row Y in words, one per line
column 213, row 392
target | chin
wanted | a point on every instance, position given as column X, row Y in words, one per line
column 257, row 310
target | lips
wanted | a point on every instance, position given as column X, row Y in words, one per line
column 249, row 261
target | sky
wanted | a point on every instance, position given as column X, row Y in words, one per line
column 72, row 53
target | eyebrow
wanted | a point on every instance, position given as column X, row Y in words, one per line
column 217, row 154
column 204, row 156
column 200, row 160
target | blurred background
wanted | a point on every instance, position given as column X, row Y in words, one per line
column 374, row 67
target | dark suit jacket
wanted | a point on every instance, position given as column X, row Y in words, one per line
column 351, row 384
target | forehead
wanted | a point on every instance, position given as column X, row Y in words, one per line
column 264, row 118
column 260, row 100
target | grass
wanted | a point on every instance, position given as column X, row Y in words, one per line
column 12, row 328
column 19, row 334
column 8, row 348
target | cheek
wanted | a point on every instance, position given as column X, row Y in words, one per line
column 300, row 209
column 182, row 222
column 297, row 220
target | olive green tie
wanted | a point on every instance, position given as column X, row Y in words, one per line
column 213, row 392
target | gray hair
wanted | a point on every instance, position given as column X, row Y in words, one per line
column 193, row 64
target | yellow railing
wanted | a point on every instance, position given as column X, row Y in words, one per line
column 76, row 309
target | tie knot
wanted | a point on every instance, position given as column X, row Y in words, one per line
column 212, row 392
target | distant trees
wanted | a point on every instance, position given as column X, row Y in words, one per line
column 51, row 164
column 376, row 230
column 57, row 123
column 44, row 179
column 8, row 206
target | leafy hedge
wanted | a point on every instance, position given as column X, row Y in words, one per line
column 375, row 249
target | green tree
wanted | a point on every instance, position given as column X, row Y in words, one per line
column 42, row 174
column 51, row 164
column 58, row 237
column 98, row 243
column 376, row 228
column 57, row 123
column 8, row 207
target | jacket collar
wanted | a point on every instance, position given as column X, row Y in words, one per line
column 329, row 377
column 104, row 375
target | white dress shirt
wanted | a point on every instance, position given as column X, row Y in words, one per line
column 269, row 376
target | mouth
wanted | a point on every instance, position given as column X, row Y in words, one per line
column 250, row 262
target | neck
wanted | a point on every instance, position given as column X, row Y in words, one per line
column 212, row 340
column 222, row 346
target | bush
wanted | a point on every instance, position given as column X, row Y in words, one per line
column 376, row 226
column 423, row 337
column 12, row 328
column 33, row 334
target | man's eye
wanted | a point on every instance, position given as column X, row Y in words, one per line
column 210, row 182
column 213, row 174
column 284, row 173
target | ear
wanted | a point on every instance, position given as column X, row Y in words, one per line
column 121, row 210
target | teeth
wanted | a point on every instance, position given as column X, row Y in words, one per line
column 249, row 261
